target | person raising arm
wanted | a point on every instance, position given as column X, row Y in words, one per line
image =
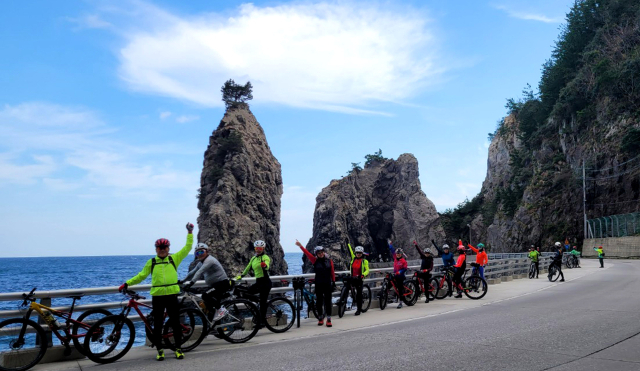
column 325, row 281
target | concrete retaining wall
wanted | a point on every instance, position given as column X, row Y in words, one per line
column 613, row 247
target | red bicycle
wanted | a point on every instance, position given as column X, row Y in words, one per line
column 112, row 337
column 409, row 297
column 431, row 289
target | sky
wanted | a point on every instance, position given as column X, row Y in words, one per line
column 106, row 108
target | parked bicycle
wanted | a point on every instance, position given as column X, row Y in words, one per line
column 301, row 293
column 572, row 262
column 445, row 283
column 111, row 337
column 474, row 286
column 23, row 342
column 280, row 315
column 409, row 297
column 345, row 294
column 430, row 288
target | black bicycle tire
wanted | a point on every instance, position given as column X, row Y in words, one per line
column 115, row 319
column 366, row 302
column 410, row 300
column 43, row 347
column 256, row 313
column 467, row 283
column 192, row 313
column 433, row 282
column 290, row 323
column 76, row 326
column 342, row 303
column 383, row 297
column 442, row 292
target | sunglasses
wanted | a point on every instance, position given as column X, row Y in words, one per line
column 199, row 252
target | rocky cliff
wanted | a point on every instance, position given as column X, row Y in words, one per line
column 383, row 200
column 241, row 189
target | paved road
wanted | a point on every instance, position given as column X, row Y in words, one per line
column 590, row 322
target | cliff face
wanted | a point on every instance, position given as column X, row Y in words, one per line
column 240, row 194
column 384, row 200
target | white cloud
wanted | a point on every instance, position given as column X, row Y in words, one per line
column 89, row 21
column 60, row 139
column 164, row 115
column 187, row 118
column 529, row 16
column 343, row 56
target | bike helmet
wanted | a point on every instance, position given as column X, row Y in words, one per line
column 445, row 247
column 259, row 243
column 558, row 244
column 399, row 251
column 202, row 246
column 359, row 249
column 427, row 250
column 318, row 249
column 162, row 243
column 480, row 246
column 461, row 249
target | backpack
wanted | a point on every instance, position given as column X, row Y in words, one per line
column 154, row 263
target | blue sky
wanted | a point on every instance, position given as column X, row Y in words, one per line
column 106, row 107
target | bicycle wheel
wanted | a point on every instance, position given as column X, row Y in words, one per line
column 342, row 303
column 193, row 325
column 21, row 344
column 410, row 295
column 554, row 274
column 280, row 314
column 475, row 287
column 444, row 288
column 109, row 339
column 383, row 296
column 432, row 289
column 366, row 298
column 532, row 271
column 237, row 326
column 84, row 322
column 314, row 309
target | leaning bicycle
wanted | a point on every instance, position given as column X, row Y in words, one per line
column 23, row 342
column 280, row 313
column 409, row 296
column 345, row 294
column 429, row 289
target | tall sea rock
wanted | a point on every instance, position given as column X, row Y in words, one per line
column 240, row 193
column 383, row 200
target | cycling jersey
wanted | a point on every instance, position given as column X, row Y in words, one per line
column 534, row 256
column 482, row 258
column 211, row 269
column 359, row 266
column 427, row 261
column 399, row 265
column 254, row 264
column 164, row 279
column 575, row 252
column 447, row 259
column 323, row 268
column 461, row 264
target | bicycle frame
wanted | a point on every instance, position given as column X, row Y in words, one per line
column 136, row 305
column 41, row 308
column 407, row 291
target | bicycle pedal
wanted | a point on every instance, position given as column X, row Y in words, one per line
column 67, row 351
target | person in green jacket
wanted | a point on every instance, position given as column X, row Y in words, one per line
column 260, row 264
column 576, row 253
column 600, row 255
column 359, row 271
column 163, row 269
column 534, row 255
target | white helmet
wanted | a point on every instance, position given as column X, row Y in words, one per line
column 558, row 244
column 445, row 246
column 318, row 249
column 360, row 249
column 259, row 243
column 202, row 246
column 427, row 250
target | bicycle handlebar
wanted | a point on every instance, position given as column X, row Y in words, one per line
column 134, row 295
column 28, row 297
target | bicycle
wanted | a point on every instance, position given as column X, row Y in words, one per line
column 445, row 283
column 573, row 262
column 302, row 293
column 409, row 297
column 554, row 273
column 279, row 309
column 532, row 270
column 345, row 293
column 23, row 342
column 235, row 327
column 103, row 343
column 431, row 290
column 475, row 287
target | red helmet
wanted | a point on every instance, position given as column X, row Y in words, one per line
column 162, row 243
column 461, row 249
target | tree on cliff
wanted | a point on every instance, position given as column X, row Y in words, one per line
column 232, row 93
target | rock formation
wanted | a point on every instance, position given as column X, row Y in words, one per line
column 383, row 200
column 240, row 193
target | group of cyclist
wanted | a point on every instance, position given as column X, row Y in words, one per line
column 534, row 255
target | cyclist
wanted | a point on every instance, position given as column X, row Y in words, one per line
column 164, row 288
column 460, row 267
column 399, row 268
column 215, row 277
column 260, row 264
column 325, row 281
column 482, row 259
column 426, row 266
column 534, row 255
column 445, row 254
column 600, row 255
column 557, row 259
column 359, row 271
column 576, row 254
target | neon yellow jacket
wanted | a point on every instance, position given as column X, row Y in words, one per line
column 365, row 263
column 164, row 280
column 254, row 264
column 534, row 255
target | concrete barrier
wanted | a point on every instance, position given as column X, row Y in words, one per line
column 613, row 247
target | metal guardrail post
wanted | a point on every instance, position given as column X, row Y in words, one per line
column 47, row 330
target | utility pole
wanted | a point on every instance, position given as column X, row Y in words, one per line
column 584, row 200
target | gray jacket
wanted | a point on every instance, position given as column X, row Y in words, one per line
column 210, row 268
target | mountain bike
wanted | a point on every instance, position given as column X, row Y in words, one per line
column 280, row 315
column 573, row 261
column 409, row 297
column 302, row 293
column 431, row 289
column 111, row 337
column 445, row 283
column 347, row 294
column 474, row 286
column 23, row 342
column 532, row 270
column 235, row 327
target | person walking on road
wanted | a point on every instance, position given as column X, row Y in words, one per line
column 325, row 281
column 600, row 255
column 399, row 268
column 426, row 266
column 359, row 271
column 557, row 260
column 534, row 255
column 164, row 289
column 259, row 264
